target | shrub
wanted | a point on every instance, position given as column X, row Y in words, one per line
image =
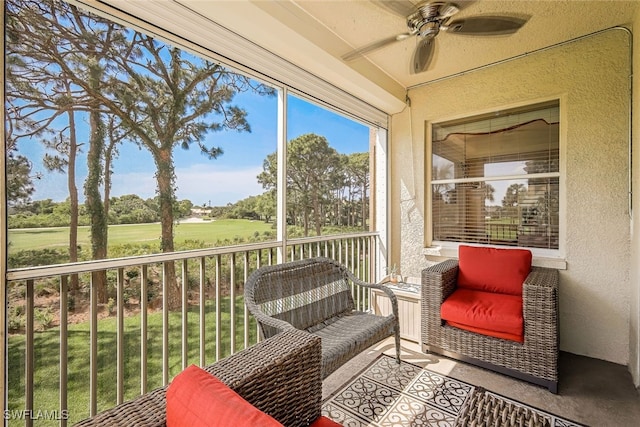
column 44, row 317
column 15, row 323
column 33, row 257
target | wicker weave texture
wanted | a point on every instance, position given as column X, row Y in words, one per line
column 316, row 295
column 536, row 357
column 486, row 410
column 280, row 376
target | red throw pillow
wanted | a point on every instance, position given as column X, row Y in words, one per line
column 196, row 398
column 493, row 270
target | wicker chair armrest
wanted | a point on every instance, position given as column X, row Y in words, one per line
column 148, row 410
column 546, row 278
column 280, row 376
column 540, row 304
column 439, row 280
column 262, row 317
column 388, row 292
column 265, row 319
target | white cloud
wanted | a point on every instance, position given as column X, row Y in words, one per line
column 202, row 183
column 140, row 183
column 199, row 183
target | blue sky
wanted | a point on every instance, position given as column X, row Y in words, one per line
column 227, row 179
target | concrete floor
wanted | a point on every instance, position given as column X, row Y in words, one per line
column 591, row 391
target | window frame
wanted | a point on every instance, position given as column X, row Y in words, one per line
column 554, row 258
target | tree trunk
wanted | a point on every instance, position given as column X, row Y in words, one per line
column 316, row 212
column 107, row 182
column 94, row 205
column 93, row 200
column 108, row 159
column 365, row 210
column 166, row 195
column 306, row 220
column 73, row 200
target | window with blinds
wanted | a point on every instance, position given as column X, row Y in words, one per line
column 495, row 178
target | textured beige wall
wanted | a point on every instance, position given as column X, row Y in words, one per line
column 590, row 77
column 634, row 276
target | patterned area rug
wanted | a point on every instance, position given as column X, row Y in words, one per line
column 386, row 394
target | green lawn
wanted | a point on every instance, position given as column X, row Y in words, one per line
column 46, row 376
column 208, row 232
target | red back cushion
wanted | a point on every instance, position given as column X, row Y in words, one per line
column 493, row 270
column 195, row 398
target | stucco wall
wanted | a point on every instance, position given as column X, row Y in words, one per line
column 590, row 77
column 634, row 342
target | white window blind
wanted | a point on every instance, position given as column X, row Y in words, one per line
column 495, row 178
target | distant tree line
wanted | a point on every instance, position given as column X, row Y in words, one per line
column 340, row 184
column 127, row 209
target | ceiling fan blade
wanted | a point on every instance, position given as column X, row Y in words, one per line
column 423, row 55
column 486, row 25
column 401, row 8
column 463, row 4
column 375, row 45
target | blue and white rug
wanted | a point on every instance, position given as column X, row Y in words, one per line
column 386, row 394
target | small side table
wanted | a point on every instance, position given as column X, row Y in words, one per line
column 408, row 295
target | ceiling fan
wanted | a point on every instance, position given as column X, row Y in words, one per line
column 425, row 21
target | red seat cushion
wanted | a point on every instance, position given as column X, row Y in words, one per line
column 323, row 421
column 492, row 314
column 493, row 270
column 195, row 398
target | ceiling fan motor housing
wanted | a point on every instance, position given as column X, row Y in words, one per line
column 428, row 18
column 429, row 29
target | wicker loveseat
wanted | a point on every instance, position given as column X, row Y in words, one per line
column 534, row 359
column 316, row 295
column 280, row 376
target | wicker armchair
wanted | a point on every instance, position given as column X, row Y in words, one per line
column 279, row 376
column 316, row 295
column 535, row 360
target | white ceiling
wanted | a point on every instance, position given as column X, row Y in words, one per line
column 315, row 34
column 551, row 22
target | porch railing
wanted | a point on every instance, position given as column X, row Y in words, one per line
column 87, row 356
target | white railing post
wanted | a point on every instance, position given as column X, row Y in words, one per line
column 203, row 307
column 246, row 310
column 120, row 337
column 29, row 350
column 218, row 312
column 93, row 338
column 185, row 314
column 64, row 371
column 165, row 322
column 143, row 328
column 232, row 300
